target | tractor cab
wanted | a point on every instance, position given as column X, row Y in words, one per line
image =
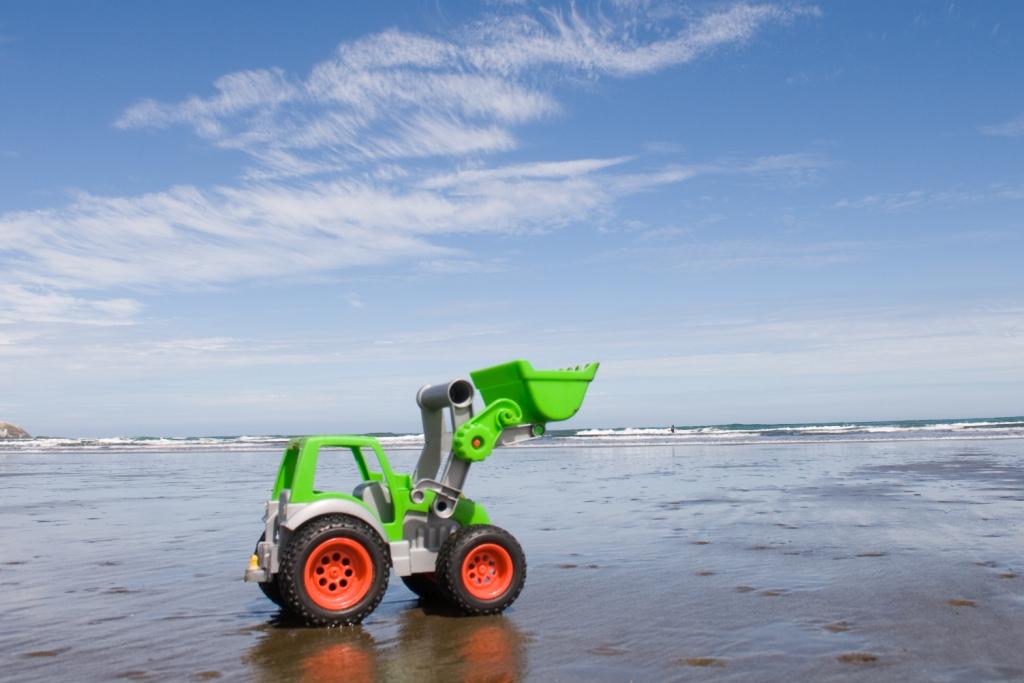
column 297, row 474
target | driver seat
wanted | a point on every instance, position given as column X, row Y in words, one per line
column 377, row 498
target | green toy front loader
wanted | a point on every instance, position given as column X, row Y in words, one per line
column 327, row 556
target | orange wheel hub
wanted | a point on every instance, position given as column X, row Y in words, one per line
column 487, row 571
column 338, row 574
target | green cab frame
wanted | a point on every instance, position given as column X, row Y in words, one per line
column 297, row 474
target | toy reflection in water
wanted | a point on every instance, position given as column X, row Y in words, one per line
column 440, row 647
column 286, row 651
column 428, row 647
column 346, row 661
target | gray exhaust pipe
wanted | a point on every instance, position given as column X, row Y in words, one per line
column 455, row 394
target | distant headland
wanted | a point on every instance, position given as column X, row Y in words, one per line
column 9, row 431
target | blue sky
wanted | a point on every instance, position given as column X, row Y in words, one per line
column 247, row 218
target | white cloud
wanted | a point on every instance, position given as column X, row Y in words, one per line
column 190, row 237
column 21, row 304
column 426, row 136
column 187, row 237
column 236, row 92
column 539, row 169
column 845, row 343
column 351, row 164
column 199, row 345
column 746, row 361
column 397, row 95
column 896, row 201
column 599, row 46
column 1011, row 128
column 663, row 234
column 460, row 266
column 774, row 163
column 693, row 255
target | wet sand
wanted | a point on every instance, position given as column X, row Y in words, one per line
column 828, row 562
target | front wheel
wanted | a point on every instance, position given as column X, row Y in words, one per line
column 334, row 571
column 481, row 569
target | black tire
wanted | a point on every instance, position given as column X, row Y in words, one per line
column 270, row 588
column 425, row 586
column 454, row 552
column 290, row 578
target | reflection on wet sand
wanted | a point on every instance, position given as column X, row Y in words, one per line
column 430, row 646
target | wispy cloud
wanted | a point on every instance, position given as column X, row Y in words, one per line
column 197, row 345
column 186, row 237
column 333, row 181
column 838, row 351
column 25, row 304
column 896, row 201
column 792, row 169
column 399, row 95
column 1011, row 128
column 601, row 46
column 540, row 169
column 189, row 237
column 772, row 362
column 674, row 249
column 874, row 337
column 775, row 163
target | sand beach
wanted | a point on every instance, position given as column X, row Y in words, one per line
column 820, row 561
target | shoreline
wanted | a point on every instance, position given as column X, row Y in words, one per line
column 565, row 442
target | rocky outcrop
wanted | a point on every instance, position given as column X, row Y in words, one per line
column 9, row 431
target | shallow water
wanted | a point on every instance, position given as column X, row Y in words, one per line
column 847, row 561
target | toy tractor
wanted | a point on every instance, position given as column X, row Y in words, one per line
column 327, row 556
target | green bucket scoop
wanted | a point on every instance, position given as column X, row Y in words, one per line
column 543, row 395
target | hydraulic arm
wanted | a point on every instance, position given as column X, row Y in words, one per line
column 519, row 402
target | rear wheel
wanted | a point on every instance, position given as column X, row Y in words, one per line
column 481, row 569
column 334, row 571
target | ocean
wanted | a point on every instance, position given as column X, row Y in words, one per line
column 704, row 435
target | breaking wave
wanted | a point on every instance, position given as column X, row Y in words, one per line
column 968, row 428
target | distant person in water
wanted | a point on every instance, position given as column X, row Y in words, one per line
column 672, row 429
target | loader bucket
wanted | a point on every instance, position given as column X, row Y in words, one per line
column 543, row 395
